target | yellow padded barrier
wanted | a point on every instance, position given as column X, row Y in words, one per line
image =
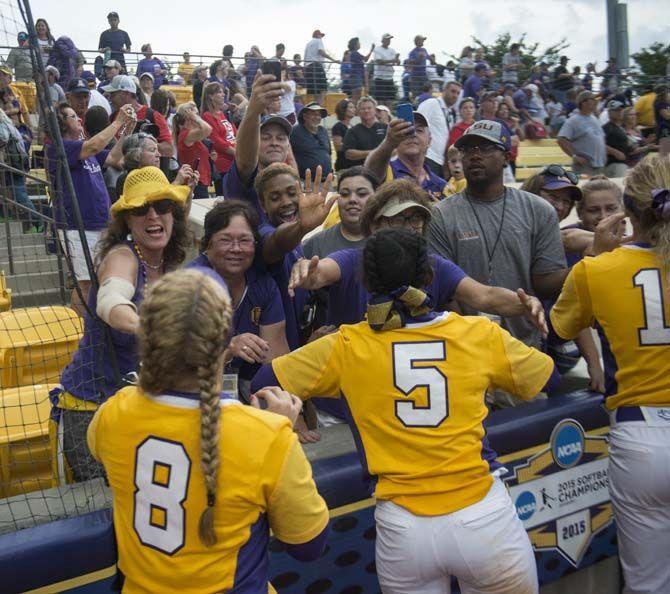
column 181, row 94
column 36, row 343
column 5, row 293
column 331, row 100
column 25, row 453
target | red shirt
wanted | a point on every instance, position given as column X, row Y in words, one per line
column 222, row 137
column 188, row 155
column 457, row 131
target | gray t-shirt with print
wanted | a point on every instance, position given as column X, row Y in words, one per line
column 529, row 244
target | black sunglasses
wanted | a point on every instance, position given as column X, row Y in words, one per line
column 160, row 206
column 559, row 171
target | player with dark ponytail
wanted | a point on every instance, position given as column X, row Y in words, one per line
column 413, row 381
column 198, row 479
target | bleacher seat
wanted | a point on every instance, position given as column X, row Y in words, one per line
column 36, row 343
column 182, row 94
column 331, row 100
column 537, row 154
column 25, row 453
column 5, row 293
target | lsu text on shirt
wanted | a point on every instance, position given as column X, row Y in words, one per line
column 625, row 292
column 150, row 447
column 416, row 397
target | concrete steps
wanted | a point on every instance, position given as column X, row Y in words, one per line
column 34, row 279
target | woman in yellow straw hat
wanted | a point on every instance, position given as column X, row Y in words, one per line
column 146, row 237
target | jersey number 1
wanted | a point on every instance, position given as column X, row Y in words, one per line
column 656, row 331
column 162, row 470
column 407, row 377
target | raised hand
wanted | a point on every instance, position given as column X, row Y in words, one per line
column 610, row 233
column 314, row 204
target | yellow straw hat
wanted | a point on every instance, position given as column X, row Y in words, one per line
column 148, row 184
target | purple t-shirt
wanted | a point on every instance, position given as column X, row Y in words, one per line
column 472, row 87
column 261, row 305
column 149, row 65
column 357, row 65
column 433, row 184
column 281, row 272
column 419, row 56
column 89, row 187
column 234, row 187
column 348, row 299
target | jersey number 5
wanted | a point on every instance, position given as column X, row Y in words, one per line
column 407, row 378
column 162, row 470
column 656, row 331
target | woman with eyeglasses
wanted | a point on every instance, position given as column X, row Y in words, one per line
column 559, row 188
column 258, row 328
column 146, row 237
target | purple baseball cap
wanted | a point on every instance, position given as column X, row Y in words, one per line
column 558, row 182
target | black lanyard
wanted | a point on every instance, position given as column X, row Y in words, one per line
column 489, row 252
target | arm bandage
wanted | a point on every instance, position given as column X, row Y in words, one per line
column 114, row 291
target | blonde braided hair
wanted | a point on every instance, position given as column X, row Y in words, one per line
column 184, row 323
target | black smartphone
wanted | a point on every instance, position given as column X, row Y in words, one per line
column 272, row 67
column 196, row 164
column 405, row 111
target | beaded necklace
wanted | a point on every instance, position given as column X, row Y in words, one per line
column 145, row 264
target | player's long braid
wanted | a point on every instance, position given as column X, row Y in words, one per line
column 393, row 258
column 652, row 173
column 184, row 321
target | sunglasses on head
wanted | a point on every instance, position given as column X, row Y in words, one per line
column 160, row 207
column 559, row 171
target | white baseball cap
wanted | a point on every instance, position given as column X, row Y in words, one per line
column 121, row 82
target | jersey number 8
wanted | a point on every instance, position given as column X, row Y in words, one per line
column 162, row 471
column 407, row 377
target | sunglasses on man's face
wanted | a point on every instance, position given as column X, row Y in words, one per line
column 161, row 207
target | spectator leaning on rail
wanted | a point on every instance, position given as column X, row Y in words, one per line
column 582, row 137
column 310, row 142
column 19, row 59
column 151, row 65
column 315, row 75
column 440, row 113
column 411, row 143
column 499, row 235
column 385, row 57
column 114, row 42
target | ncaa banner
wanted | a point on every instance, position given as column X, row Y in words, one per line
column 561, row 494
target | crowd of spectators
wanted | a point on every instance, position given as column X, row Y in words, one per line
column 287, row 255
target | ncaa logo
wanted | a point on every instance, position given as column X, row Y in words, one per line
column 525, row 505
column 567, row 443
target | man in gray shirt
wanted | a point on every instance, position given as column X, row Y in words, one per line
column 582, row 137
column 499, row 235
column 354, row 187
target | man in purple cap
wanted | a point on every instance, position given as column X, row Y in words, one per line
column 310, row 141
column 114, row 42
column 418, row 58
column 410, row 142
column 499, row 235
